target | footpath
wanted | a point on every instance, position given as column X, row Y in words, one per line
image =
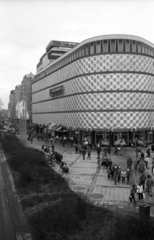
column 87, row 178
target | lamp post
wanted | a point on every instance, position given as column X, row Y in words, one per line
column 110, row 139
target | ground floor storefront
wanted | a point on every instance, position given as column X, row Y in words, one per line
column 113, row 138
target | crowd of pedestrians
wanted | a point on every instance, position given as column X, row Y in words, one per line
column 115, row 173
column 144, row 164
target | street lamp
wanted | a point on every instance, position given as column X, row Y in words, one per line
column 110, row 138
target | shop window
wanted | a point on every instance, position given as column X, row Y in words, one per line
column 105, row 46
column 133, row 46
column 127, row 46
column 98, row 47
column 121, row 137
column 102, row 138
column 92, row 48
column 113, row 45
column 138, row 47
column 120, row 45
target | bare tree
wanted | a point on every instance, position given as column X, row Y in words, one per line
column 1, row 104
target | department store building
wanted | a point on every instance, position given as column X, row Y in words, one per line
column 102, row 89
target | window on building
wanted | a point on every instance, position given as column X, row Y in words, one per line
column 80, row 53
column 92, row 48
column 133, row 46
column 98, row 47
column 127, row 46
column 105, row 46
column 142, row 47
column 149, row 51
column 87, row 50
column 146, row 50
column 138, row 47
column 113, row 45
column 83, row 52
column 152, row 54
column 120, row 45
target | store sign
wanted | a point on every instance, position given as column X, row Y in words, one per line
column 57, row 91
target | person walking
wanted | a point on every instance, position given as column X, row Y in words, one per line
column 146, row 160
column 132, row 193
column 89, row 154
column 115, row 174
column 140, row 191
column 149, row 185
column 84, row 153
column 128, row 175
column 142, row 179
column 98, row 151
column 123, row 176
column 119, row 173
column 31, row 137
column 141, row 166
column 129, row 163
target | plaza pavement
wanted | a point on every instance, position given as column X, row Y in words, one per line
column 87, row 178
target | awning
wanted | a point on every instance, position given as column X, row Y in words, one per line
column 52, row 126
column 59, row 128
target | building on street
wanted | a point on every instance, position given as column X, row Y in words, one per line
column 102, row 89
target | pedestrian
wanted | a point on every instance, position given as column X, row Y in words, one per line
column 149, row 185
column 31, row 137
column 76, row 148
column 98, row 151
column 64, row 140
column 119, row 173
column 123, row 176
column 141, row 166
column 129, row 163
column 71, row 141
column 132, row 193
column 142, row 179
column 135, row 164
column 108, row 172
column 128, row 175
column 115, row 174
column 38, row 136
column 140, row 191
column 112, row 172
column 116, row 151
column 148, row 152
column 53, row 148
column 146, row 160
column 84, row 153
column 89, row 154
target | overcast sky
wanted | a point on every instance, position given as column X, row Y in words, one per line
column 27, row 26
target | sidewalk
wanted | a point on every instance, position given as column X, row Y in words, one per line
column 84, row 176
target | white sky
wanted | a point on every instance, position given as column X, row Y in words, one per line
column 27, row 26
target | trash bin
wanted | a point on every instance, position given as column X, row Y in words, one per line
column 144, row 211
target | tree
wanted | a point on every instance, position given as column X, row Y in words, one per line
column 3, row 112
column 1, row 104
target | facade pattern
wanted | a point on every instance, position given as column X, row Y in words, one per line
column 101, row 92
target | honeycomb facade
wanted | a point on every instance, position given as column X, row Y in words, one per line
column 108, row 84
